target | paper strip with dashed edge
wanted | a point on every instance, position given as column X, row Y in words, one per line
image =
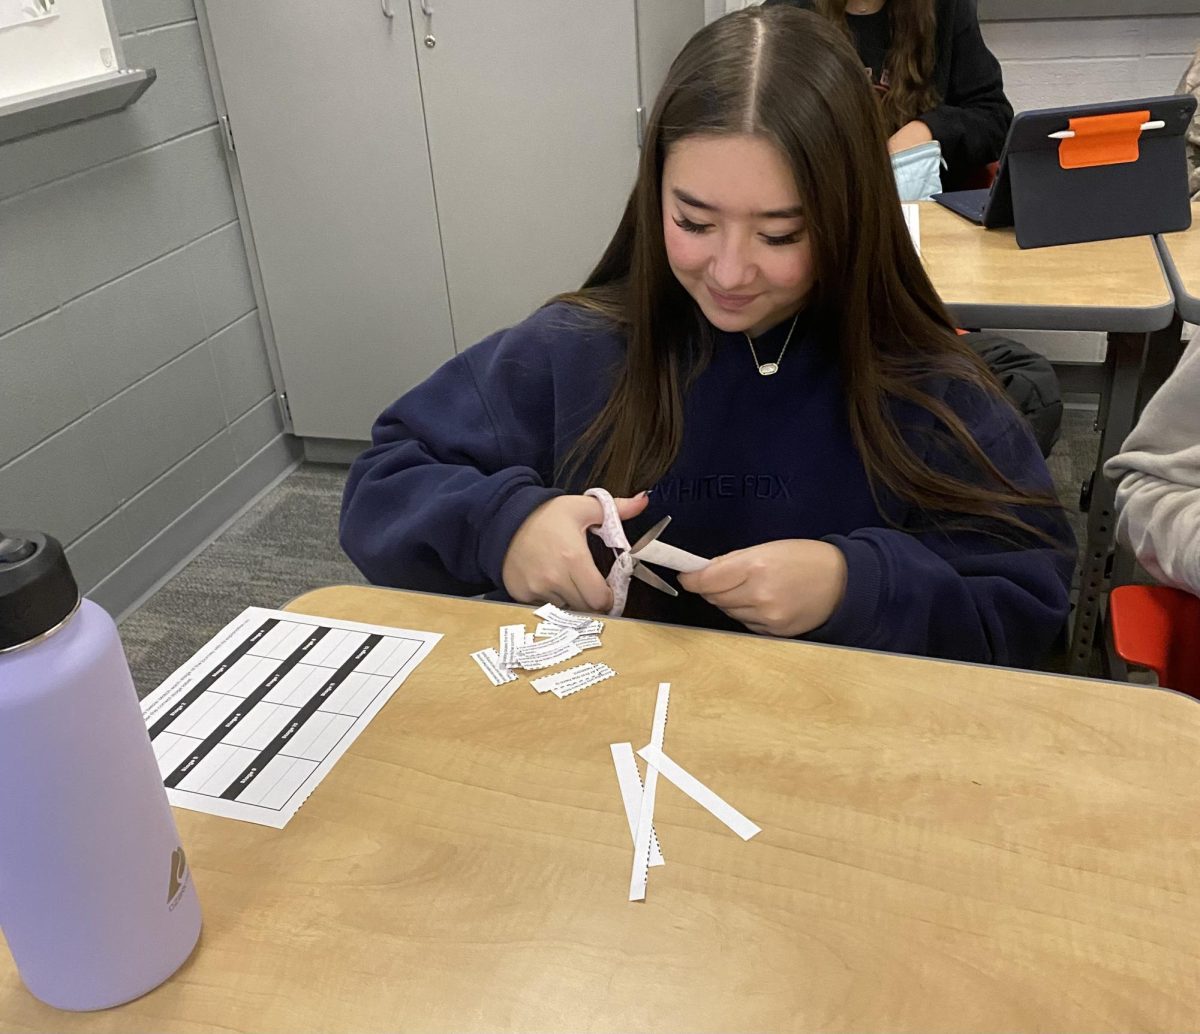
column 512, row 639
column 549, row 652
column 585, row 678
column 698, row 792
column 641, row 846
column 489, row 662
column 572, row 680
column 567, row 619
column 630, row 781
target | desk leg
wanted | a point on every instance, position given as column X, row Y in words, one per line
column 1118, row 406
column 1166, row 347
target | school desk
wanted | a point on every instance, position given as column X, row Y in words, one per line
column 1181, row 257
column 944, row 847
column 1116, row 286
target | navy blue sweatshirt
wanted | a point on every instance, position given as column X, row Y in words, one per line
column 459, row 462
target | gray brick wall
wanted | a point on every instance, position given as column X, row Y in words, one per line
column 1052, row 62
column 136, row 400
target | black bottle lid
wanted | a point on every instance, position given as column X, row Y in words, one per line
column 37, row 590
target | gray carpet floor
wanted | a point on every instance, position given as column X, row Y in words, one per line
column 286, row 544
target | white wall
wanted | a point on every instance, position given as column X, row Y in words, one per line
column 137, row 407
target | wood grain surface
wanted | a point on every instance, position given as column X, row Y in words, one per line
column 969, row 265
column 945, row 847
column 1184, row 248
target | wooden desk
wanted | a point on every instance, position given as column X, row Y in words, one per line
column 945, row 848
column 1181, row 257
column 987, row 281
column 1116, row 286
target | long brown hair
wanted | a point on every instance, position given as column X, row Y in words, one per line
column 789, row 77
column 910, row 60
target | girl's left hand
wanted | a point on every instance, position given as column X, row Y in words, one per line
column 782, row 588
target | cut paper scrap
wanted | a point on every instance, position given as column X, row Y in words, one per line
column 512, row 638
column 572, row 680
column 548, row 652
column 566, row 619
column 697, row 791
column 546, row 628
column 560, row 636
column 665, row 555
column 630, row 781
column 489, row 662
column 641, row 844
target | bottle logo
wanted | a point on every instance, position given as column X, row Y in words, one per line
column 179, row 878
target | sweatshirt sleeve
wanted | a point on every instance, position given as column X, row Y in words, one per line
column 1158, row 479
column 450, row 477
column 973, row 118
column 998, row 597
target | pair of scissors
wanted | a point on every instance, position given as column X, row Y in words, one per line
column 630, row 561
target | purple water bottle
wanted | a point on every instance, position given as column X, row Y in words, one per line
column 96, row 899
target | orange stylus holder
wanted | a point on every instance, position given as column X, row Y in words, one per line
column 1102, row 140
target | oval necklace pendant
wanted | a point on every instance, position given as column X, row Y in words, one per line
column 766, row 369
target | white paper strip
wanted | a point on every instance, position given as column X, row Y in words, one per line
column 630, row 781
column 698, row 792
column 912, row 219
column 572, row 680
column 512, row 638
column 548, row 652
column 676, row 559
column 588, row 642
column 641, row 844
column 567, row 619
column 489, row 661
column 536, row 662
column 546, row 628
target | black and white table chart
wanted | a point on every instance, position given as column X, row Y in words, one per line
column 250, row 725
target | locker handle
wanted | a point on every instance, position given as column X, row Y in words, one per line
column 387, row 9
column 426, row 9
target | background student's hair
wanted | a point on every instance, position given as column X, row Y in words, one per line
column 911, row 58
column 790, row 77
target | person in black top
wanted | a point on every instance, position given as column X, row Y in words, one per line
column 935, row 77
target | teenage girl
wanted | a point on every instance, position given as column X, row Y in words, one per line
column 760, row 348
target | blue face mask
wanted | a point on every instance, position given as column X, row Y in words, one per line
column 918, row 171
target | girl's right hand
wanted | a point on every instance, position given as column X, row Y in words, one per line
column 548, row 560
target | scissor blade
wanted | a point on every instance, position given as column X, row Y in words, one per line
column 650, row 578
column 651, row 535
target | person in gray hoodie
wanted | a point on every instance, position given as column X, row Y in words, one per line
column 1158, row 479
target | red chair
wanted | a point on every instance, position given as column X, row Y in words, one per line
column 1157, row 627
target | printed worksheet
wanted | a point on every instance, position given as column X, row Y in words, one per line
column 250, row 725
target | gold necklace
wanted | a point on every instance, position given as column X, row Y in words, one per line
column 767, row 369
